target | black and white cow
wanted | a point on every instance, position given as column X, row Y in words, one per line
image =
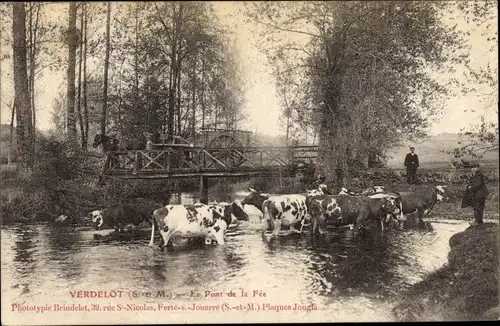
column 120, row 215
column 279, row 211
column 422, row 201
column 343, row 210
column 198, row 220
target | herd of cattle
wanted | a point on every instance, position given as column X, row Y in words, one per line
column 288, row 211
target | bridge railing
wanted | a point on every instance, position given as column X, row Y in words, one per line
column 200, row 159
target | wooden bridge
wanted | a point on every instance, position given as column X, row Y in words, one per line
column 180, row 161
column 187, row 161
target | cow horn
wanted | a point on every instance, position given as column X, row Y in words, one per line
column 252, row 190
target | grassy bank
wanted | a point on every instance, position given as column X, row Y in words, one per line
column 63, row 182
column 466, row 288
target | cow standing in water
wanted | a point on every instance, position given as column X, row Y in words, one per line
column 120, row 215
column 422, row 201
column 199, row 220
column 282, row 210
column 345, row 209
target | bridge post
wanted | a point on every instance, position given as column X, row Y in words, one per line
column 203, row 189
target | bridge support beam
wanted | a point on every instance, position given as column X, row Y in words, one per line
column 203, row 189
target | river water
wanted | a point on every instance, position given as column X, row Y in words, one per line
column 336, row 278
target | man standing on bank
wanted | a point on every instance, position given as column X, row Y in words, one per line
column 475, row 195
column 411, row 164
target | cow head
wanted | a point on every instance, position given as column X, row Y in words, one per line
column 97, row 218
column 255, row 198
column 389, row 204
column 231, row 213
column 344, row 191
column 441, row 193
column 314, row 192
column 324, row 189
column 321, row 190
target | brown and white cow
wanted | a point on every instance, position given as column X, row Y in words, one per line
column 422, row 201
column 378, row 192
column 198, row 220
column 343, row 210
column 288, row 210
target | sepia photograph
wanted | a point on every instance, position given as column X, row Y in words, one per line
column 180, row 162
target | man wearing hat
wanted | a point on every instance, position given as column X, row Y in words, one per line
column 411, row 164
column 475, row 195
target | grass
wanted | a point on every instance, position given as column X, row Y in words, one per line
column 466, row 288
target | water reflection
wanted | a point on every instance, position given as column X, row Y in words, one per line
column 341, row 274
column 25, row 258
column 24, row 247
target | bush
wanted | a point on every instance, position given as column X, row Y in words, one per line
column 118, row 191
column 55, row 185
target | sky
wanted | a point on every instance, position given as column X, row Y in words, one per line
column 262, row 104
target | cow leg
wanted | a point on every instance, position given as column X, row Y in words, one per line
column 152, row 234
column 358, row 227
column 420, row 220
column 293, row 228
column 166, row 237
column 317, row 228
column 314, row 227
column 277, row 227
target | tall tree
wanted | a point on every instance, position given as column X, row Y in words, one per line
column 85, row 107
column 80, row 61
column 22, row 103
column 72, row 45
column 106, row 68
column 362, row 69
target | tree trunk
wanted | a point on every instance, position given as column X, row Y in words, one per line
column 24, row 115
column 173, row 80
column 71, row 72
column 11, row 134
column 85, row 108
column 136, row 56
column 179, row 113
column 216, row 118
column 193, row 102
column 106, row 68
column 333, row 143
column 202, row 93
column 31, row 63
column 79, row 100
column 32, row 74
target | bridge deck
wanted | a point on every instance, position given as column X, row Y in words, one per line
column 175, row 162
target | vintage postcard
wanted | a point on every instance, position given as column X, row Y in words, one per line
column 248, row 162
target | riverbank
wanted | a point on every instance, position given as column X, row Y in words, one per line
column 466, row 288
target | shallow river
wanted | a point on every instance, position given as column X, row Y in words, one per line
column 336, row 278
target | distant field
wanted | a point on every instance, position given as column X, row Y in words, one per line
column 431, row 153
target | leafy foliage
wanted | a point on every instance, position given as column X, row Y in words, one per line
column 480, row 139
column 362, row 74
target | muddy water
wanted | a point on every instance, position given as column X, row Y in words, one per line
column 337, row 278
